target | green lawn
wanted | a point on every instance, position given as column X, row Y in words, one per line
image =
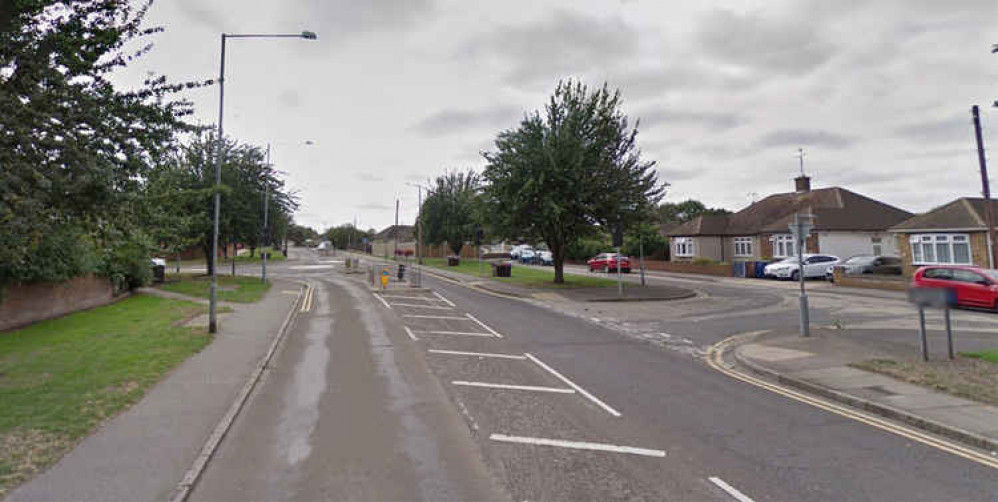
column 236, row 288
column 522, row 275
column 986, row 355
column 59, row 379
column 275, row 255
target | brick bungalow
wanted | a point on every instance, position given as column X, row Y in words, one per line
column 846, row 224
column 953, row 234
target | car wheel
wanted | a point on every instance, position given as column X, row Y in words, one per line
column 795, row 276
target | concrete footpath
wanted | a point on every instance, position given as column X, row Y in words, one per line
column 820, row 365
column 143, row 453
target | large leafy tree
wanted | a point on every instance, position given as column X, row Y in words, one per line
column 450, row 212
column 561, row 173
column 681, row 212
column 347, row 236
column 73, row 148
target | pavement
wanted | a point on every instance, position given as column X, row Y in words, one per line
column 144, row 452
column 821, row 364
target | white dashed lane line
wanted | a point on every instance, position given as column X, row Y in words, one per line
column 731, row 490
column 578, row 445
column 476, row 354
column 410, row 333
column 456, row 333
column 503, row 386
column 382, row 300
column 482, row 324
column 572, row 384
column 448, row 302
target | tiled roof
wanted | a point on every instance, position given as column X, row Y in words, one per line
column 835, row 208
column 702, row 225
column 963, row 213
column 405, row 233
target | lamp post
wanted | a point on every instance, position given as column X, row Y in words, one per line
column 213, row 297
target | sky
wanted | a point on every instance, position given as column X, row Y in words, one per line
column 396, row 92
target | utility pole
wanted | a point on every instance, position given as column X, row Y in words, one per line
column 396, row 229
column 989, row 213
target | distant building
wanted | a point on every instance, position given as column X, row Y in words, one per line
column 952, row 234
column 846, row 224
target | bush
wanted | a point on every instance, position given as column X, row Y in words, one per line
column 584, row 249
column 126, row 262
column 704, row 261
column 65, row 251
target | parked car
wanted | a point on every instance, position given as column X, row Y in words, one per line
column 527, row 255
column 815, row 265
column 545, row 258
column 974, row 286
column 516, row 251
column 607, row 262
column 867, row 264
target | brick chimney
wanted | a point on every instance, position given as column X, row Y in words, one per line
column 803, row 184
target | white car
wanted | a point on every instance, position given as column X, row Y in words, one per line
column 518, row 251
column 545, row 258
column 815, row 265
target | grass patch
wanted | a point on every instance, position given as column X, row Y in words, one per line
column 985, row 355
column 275, row 255
column 59, row 379
column 523, row 276
column 233, row 288
column 968, row 377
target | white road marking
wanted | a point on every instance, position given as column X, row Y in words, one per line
column 422, row 306
column 578, row 445
column 409, row 332
column 572, row 384
column 478, row 354
column 306, row 302
column 311, row 267
column 735, row 494
column 462, row 333
column 448, row 302
column 513, row 387
column 482, row 324
column 451, row 318
column 382, row 300
column 407, row 297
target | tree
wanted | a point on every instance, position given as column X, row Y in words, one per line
column 449, row 213
column 298, row 233
column 73, row 149
column 644, row 236
column 560, row 174
column 671, row 212
column 347, row 236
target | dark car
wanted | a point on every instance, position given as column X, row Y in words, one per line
column 867, row 264
column 974, row 286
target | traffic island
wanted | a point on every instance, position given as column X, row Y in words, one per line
column 631, row 293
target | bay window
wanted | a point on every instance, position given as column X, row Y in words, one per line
column 684, row 246
column 940, row 249
column 783, row 246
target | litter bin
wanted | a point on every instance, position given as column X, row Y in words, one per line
column 502, row 269
column 453, row 261
column 401, row 273
column 158, row 273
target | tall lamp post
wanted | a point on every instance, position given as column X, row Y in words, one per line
column 213, row 297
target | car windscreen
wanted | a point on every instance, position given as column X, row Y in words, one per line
column 860, row 260
column 992, row 274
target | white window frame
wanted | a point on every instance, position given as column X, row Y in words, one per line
column 783, row 245
column 743, row 247
column 925, row 249
column 877, row 243
column 684, row 247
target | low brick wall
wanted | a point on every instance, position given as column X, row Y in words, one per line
column 890, row 283
column 686, row 267
column 25, row 304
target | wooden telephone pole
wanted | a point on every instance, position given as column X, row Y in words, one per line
column 989, row 212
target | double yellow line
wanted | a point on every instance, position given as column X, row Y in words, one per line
column 714, row 359
column 306, row 302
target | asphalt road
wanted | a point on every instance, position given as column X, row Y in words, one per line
column 470, row 396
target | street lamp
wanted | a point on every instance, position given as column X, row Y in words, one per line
column 213, row 297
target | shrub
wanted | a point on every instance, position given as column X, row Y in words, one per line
column 126, row 261
column 704, row 261
column 584, row 249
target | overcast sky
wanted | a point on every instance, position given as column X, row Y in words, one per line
column 878, row 93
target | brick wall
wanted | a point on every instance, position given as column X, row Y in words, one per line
column 979, row 249
column 25, row 304
column 890, row 283
column 904, row 249
column 686, row 267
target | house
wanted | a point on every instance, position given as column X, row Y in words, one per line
column 955, row 233
column 401, row 237
column 846, row 224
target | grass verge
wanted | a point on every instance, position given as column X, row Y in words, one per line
column 967, row 377
column 59, row 379
column 986, row 355
column 542, row 278
column 275, row 255
column 232, row 288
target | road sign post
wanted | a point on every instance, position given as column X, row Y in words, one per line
column 800, row 228
column 934, row 298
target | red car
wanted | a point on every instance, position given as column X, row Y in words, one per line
column 607, row 262
column 974, row 286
